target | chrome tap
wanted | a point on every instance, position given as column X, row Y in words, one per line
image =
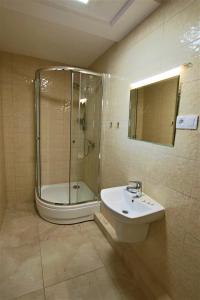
column 135, row 187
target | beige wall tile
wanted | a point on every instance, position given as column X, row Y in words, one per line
column 3, row 198
column 169, row 174
column 17, row 133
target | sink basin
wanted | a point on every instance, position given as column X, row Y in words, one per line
column 132, row 215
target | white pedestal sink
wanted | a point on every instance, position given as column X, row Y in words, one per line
column 132, row 215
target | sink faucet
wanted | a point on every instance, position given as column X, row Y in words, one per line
column 135, row 187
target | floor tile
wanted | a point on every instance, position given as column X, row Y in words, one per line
column 21, row 271
column 37, row 295
column 114, row 265
column 49, row 230
column 104, row 249
column 18, row 228
column 78, row 262
column 66, row 253
column 128, row 289
column 94, row 285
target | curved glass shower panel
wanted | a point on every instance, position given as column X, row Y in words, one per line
column 55, row 111
column 76, row 142
column 85, row 142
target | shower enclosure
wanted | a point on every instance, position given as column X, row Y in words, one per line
column 68, row 105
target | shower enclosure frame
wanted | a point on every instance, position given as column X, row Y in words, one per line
column 68, row 213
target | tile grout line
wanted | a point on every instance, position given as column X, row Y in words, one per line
column 26, row 294
column 73, row 277
column 38, row 234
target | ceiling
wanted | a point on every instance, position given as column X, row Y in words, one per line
column 66, row 30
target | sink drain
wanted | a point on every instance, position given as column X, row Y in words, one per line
column 125, row 211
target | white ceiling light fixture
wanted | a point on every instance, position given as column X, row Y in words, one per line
column 83, row 1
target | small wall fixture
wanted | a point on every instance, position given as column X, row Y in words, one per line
column 83, row 100
column 168, row 74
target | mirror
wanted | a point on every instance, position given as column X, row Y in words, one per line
column 153, row 110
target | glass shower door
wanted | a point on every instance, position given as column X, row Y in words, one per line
column 54, row 136
column 85, row 137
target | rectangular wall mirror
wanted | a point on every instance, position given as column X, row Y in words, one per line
column 152, row 112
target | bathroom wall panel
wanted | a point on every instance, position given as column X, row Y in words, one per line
column 3, row 199
column 171, row 175
column 18, row 118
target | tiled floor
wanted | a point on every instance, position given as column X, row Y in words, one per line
column 39, row 260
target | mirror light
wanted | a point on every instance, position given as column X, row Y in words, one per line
column 168, row 74
column 83, row 1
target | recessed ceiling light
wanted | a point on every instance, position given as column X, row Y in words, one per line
column 83, row 1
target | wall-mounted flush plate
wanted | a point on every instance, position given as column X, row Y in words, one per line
column 187, row 122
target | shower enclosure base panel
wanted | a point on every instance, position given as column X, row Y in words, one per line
column 58, row 210
column 59, row 193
